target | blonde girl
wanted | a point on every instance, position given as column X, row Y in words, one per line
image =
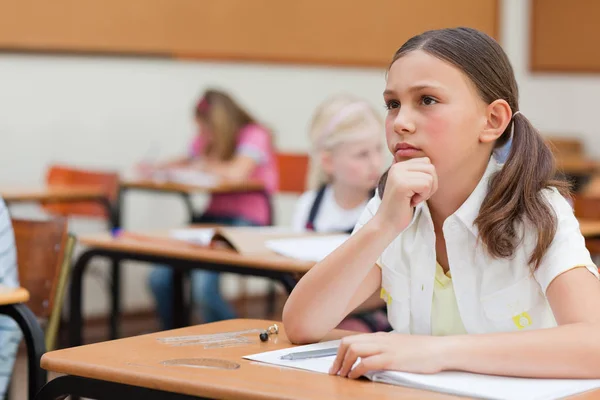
column 346, row 163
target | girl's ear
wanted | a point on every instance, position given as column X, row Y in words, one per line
column 498, row 116
column 327, row 162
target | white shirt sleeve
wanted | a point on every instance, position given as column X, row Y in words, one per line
column 302, row 210
column 10, row 335
column 567, row 250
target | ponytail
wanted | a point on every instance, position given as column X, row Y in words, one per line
column 515, row 195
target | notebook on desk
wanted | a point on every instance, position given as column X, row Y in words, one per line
column 456, row 383
column 306, row 246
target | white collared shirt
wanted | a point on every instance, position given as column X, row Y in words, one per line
column 493, row 295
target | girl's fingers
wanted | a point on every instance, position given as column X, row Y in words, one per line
column 372, row 363
column 356, row 351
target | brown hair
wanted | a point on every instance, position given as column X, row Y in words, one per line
column 225, row 118
column 515, row 192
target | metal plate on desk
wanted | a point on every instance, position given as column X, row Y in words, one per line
column 213, row 363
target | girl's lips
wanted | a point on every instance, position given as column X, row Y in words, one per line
column 404, row 150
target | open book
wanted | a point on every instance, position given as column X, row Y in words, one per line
column 306, row 246
column 457, row 383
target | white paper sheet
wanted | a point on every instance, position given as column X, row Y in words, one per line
column 201, row 236
column 459, row 383
column 307, row 249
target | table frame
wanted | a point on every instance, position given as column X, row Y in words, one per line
column 75, row 386
column 179, row 265
column 117, row 222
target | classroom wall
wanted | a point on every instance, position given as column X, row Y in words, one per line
column 111, row 112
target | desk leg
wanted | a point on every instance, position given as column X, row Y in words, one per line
column 289, row 282
column 115, row 291
column 74, row 386
column 75, row 299
column 180, row 314
column 115, row 287
column 34, row 338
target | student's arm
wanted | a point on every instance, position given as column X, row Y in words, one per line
column 348, row 276
column 175, row 163
column 374, row 302
column 240, row 168
column 337, row 285
column 571, row 350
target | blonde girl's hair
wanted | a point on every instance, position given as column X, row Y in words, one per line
column 339, row 119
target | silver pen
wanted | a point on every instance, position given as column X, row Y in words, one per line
column 303, row 355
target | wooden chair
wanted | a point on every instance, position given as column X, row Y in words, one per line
column 43, row 256
column 70, row 176
column 44, row 249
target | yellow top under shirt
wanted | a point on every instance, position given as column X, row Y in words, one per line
column 445, row 318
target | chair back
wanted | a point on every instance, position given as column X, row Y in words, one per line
column 293, row 170
column 61, row 175
column 40, row 255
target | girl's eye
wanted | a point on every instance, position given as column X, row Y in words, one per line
column 428, row 100
column 392, row 104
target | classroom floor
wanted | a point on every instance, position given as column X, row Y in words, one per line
column 132, row 325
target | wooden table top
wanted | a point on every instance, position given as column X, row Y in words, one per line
column 576, row 165
column 52, row 193
column 139, row 361
column 161, row 245
column 13, row 295
column 223, row 187
column 589, row 228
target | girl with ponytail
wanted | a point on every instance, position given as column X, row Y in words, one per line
column 482, row 265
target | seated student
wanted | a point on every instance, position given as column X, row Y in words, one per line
column 482, row 265
column 346, row 163
column 10, row 334
column 232, row 145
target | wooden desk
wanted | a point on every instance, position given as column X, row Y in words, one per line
column 132, row 369
column 171, row 187
column 590, row 229
column 13, row 295
column 577, row 169
column 181, row 257
column 53, row 194
column 575, row 165
column 12, row 304
column 187, row 190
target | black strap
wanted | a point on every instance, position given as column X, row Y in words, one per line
column 314, row 209
column 316, row 205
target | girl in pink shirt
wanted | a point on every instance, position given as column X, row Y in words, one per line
column 233, row 146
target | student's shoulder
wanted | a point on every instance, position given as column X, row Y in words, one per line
column 3, row 209
column 254, row 129
column 561, row 206
column 306, row 199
